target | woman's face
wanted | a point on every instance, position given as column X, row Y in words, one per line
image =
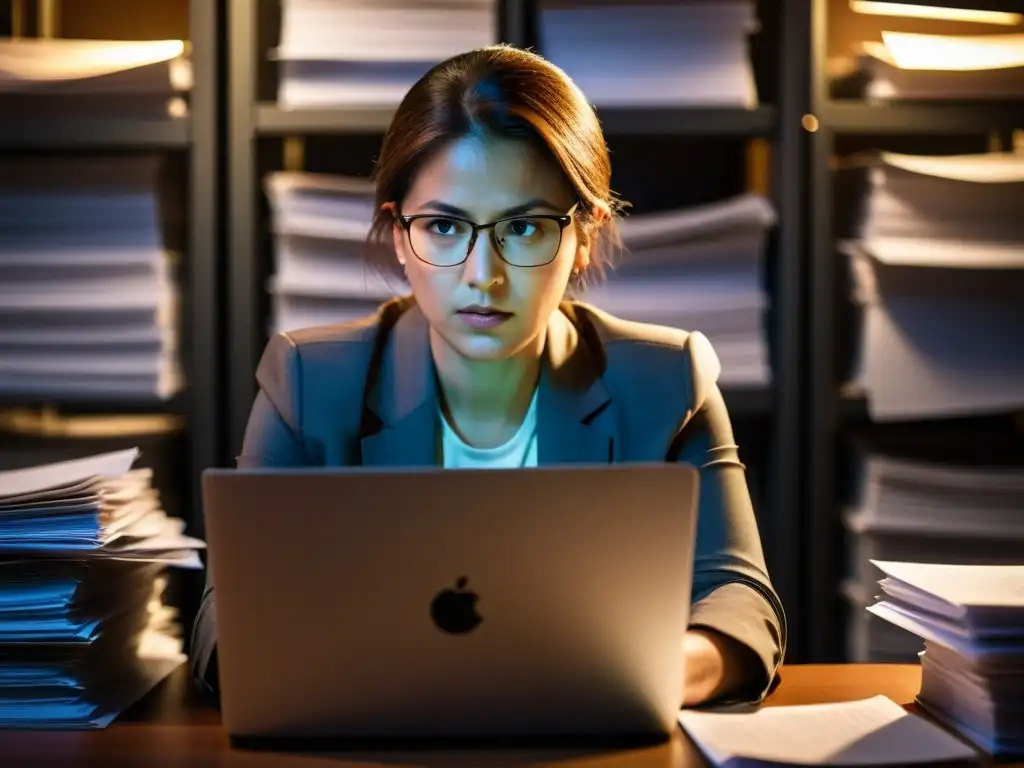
column 483, row 180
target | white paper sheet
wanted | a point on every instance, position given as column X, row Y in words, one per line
column 874, row 731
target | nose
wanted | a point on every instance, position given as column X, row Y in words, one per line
column 484, row 268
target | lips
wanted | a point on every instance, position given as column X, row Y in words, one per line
column 483, row 318
column 483, row 311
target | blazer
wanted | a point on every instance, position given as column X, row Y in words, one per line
column 365, row 393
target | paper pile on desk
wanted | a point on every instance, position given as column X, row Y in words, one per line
column 920, row 499
column 971, row 618
column 83, row 630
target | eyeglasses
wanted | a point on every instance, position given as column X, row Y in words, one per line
column 521, row 241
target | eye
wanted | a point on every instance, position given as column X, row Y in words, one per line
column 443, row 227
column 522, row 227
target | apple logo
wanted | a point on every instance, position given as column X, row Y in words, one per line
column 454, row 610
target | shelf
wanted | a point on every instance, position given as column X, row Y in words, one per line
column 72, row 406
column 748, row 401
column 94, row 133
column 272, row 121
column 668, row 121
column 933, row 119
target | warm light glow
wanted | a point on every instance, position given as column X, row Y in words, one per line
column 30, row 58
column 946, row 53
column 933, row 12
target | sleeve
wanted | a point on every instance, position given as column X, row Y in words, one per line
column 732, row 592
column 272, row 439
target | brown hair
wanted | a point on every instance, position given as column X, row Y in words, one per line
column 503, row 92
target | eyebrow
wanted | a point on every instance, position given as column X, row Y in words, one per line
column 526, row 207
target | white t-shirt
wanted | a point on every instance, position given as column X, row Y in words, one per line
column 520, row 451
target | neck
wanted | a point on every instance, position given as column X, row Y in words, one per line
column 485, row 401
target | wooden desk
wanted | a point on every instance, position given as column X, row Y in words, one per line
column 171, row 727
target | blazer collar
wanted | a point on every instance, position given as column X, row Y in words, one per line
column 574, row 425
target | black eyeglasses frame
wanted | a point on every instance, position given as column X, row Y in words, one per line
column 562, row 220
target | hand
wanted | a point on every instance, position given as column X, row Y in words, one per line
column 714, row 665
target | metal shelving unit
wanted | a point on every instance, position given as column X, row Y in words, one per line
column 834, row 406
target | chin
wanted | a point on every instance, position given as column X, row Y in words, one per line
column 500, row 344
column 484, row 347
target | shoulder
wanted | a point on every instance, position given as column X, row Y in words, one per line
column 329, row 343
column 640, row 355
column 295, row 361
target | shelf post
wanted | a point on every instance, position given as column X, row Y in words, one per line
column 294, row 153
column 48, row 13
column 17, row 19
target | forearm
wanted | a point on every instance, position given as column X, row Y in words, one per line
column 732, row 595
column 714, row 666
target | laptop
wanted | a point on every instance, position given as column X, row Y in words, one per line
column 366, row 603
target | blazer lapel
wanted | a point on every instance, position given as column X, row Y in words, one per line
column 403, row 399
column 575, row 418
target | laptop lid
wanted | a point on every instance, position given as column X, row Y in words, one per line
column 367, row 603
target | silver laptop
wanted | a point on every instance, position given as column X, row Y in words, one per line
column 429, row 603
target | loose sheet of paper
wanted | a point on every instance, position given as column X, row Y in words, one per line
column 873, row 731
column 59, row 474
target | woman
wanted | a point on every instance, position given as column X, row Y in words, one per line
column 493, row 201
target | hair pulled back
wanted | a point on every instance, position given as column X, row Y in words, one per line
column 505, row 93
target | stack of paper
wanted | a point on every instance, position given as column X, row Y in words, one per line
column 368, row 53
column 699, row 269
column 88, row 301
column 972, row 621
column 875, row 731
column 30, row 436
column 83, row 630
column 323, row 264
column 692, row 54
column 938, row 269
column 907, row 66
column 869, row 639
column 925, row 511
column 58, row 78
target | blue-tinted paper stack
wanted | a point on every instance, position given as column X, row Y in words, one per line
column 83, row 631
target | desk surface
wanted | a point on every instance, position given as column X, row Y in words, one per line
column 171, row 727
